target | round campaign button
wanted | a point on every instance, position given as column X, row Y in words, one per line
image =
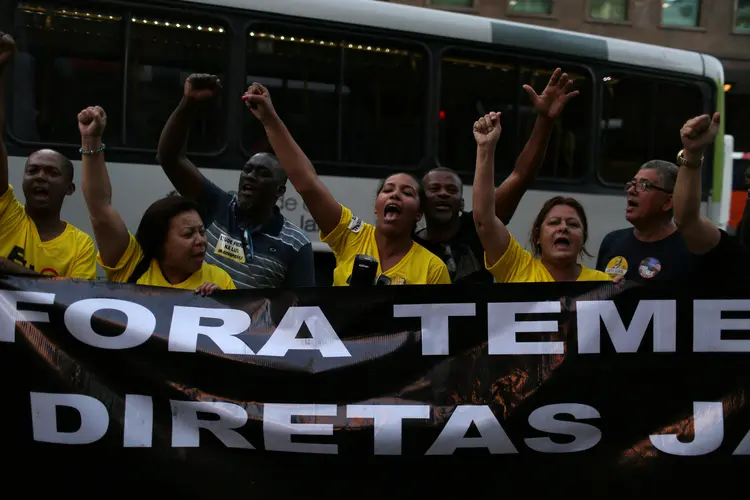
column 617, row 266
column 649, row 267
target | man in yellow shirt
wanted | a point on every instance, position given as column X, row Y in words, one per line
column 33, row 239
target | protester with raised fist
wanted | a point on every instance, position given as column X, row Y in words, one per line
column 169, row 246
column 398, row 207
column 33, row 238
column 558, row 235
column 450, row 232
column 247, row 235
column 722, row 257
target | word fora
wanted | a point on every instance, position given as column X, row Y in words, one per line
column 280, row 427
column 503, row 327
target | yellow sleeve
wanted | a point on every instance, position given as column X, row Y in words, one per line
column 349, row 227
column 438, row 273
column 594, row 275
column 84, row 266
column 226, row 282
column 12, row 213
column 126, row 265
column 515, row 259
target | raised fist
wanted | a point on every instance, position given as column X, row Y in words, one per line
column 487, row 129
column 91, row 121
column 258, row 100
column 7, row 49
column 699, row 132
column 202, row 87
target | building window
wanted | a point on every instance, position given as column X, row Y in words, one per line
column 453, row 3
column 742, row 16
column 608, row 10
column 680, row 13
column 530, row 6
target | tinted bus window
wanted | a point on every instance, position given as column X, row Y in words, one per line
column 384, row 111
column 69, row 57
column 472, row 85
column 163, row 50
column 343, row 98
column 675, row 104
column 568, row 148
column 626, row 126
column 641, row 121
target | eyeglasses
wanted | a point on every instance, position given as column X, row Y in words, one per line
column 644, row 185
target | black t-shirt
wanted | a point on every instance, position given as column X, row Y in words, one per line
column 664, row 260
column 463, row 253
column 728, row 261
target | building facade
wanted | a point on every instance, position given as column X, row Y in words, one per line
column 717, row 27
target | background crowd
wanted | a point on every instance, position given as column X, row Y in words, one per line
column 204, row 238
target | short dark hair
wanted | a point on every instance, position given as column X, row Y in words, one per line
column 65, row 163
column 536, row 228
column 420, row 188
column 447, row 170
column 279, row 173
column 154, row 226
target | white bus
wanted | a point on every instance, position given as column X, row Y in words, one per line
column 366, row 87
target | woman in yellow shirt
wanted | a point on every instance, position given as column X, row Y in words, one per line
column 169, row 246
column 398, row 208
column 558, row 235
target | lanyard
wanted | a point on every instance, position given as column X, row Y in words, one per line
column 249, row 248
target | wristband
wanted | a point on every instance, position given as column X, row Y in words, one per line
column 89, row 152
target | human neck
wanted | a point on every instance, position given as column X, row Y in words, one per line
column 439, row 231
column 256, row 216
column 562, row 271
column 391, row 247
column 655, row 231
column 47, row 222
column 173, row 275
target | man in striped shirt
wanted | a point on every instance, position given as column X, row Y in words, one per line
column 247, row 235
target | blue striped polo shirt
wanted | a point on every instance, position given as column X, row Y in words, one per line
column 277, row 254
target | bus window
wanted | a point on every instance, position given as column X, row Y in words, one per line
column 164, row 48
column 301, row 70
column 384, row 112
column 676, row 103
column 69, row 57
column 472, row 85
column 626, row 127
column 343, row 98
column 567, row 151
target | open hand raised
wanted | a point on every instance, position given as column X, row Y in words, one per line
column 555, row 96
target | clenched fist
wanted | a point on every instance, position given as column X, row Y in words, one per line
column 92, row 121
column 258, row 100
column 487, row 129
column 7, row 49
column 699, row 132
column 202, row 87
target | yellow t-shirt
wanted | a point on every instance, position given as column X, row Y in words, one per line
column 353, row 236
column 71, row 254
column 517, row 265
column 153, row 276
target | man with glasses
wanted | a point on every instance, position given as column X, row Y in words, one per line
column 653, row 249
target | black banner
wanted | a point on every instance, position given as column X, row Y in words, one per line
column 531, row 389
